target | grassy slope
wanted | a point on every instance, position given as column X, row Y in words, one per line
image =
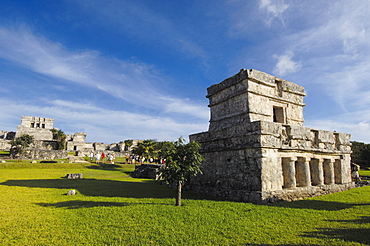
column 111, row 208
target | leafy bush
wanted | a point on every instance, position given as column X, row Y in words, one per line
column 361, row 154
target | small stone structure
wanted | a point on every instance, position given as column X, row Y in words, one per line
column 257, row 149
column 77, row 142
column 147, row 171
column 74, row 176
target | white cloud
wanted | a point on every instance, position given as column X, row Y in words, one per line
column 122, row 79
column 275, row 10
column 186, row 107
column 285, row 64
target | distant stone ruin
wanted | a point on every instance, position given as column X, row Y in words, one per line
column 45, row 147
column 257, row 149
column 38, row 127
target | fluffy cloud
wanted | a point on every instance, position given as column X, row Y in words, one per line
column 285, row 64
column 122, row 79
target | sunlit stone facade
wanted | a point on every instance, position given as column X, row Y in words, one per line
column 257, row 149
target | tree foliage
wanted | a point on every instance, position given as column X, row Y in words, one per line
column 182, row 162
column 128, row 143
column 146, row 148
column 361, row 154
column 163, row 148
column 60, row 137
column 20, row 143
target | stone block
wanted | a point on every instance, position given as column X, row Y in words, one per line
column 71, row 193
column 74, row 176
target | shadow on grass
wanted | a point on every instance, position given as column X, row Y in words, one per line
column 103, row 166
column 90, row 204
column 359, row 235
column 83, row 204
column 317, row 205
column 105, row 188
column 362, row 220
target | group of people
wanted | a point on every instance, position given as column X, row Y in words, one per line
column 102, row 158
column 132, row 159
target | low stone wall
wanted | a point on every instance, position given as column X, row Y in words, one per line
column 42, row 154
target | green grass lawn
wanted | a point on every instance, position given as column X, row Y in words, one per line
column 111, row 208
column 365, row 173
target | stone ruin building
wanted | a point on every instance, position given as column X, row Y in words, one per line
column 257, row 150
column 45, row 147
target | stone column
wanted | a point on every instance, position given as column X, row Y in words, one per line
column 320, row 172
column 317, row 176
column 289, row 172
column 338, row 172
column 328, row 171
column 306, row 173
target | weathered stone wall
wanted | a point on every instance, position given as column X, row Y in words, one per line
column 250, row 96
column 5, row 145
column 42, row 154
column 37, row 122
column 246, row 159
column 37, row 127
column 257, row 149
column 5, row 138
column 100, row 146
column 77, row 142
column 37, row 133
column 7, row 135
column 48, row 145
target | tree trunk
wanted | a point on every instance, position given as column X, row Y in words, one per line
column 179, row 188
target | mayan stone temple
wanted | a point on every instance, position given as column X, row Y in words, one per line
column 257, row 149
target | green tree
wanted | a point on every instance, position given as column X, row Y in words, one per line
column 163, row 148
column 128, row 144
column 145, row 148
column 361, row 154
column 60, row 137
column 20, row 143
column 183, row 161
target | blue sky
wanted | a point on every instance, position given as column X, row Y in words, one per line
column 140, row 69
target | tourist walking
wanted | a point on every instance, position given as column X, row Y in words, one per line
column 97, row 157
column 111, row 158
column 103, row 157
column 91, row 156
